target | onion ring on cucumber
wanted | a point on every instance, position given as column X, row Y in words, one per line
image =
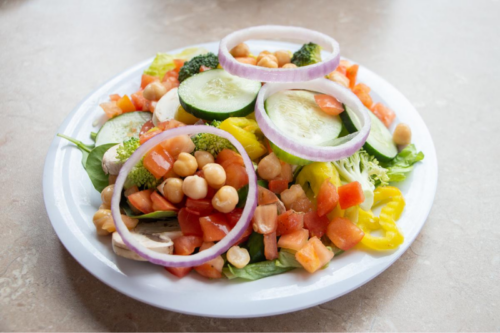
column 170, row 260
column 306, row 73
column 309, row 152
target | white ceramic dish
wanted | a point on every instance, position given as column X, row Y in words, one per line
column 71, row 202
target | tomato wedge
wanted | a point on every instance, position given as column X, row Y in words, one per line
column 160, row 203
column 328, row 197
column 142, row 201
column 290, row 221
column 343, row 233
column 189, row 223
column 215, row 227
column 329, row 104
column 180, row 272
column 185, row 245
column 158, row 161
column 351, row 195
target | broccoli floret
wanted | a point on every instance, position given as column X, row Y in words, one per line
column 126, row 149
column 192, row 66
column 307, row 55
column 212, row 143
column 139, row 175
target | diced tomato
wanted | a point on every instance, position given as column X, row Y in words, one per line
column 313, row 255
column 210, row 191
column 270, row 246
column 201, row 207
column 160, row 203
column 302, row 205
column 295, row 240
column 142, row 201
column 362, row 86
column 211, row 269
column 246, row 60
column 234, row 216
column 148, row 135
column 169, row 124
column 343, row 233
column 114, row 97
column 111, row 109
column 278, row 185
column 327, row 198
column 204, row 68
column 215, row 227
column 315, row 224
column 178, row 64
column 147, row 79
column 149, row 106
column 329, row 104
column 170, row 83
column 189, row 223
column 146, row 127
column 227, row 157
column 290, row 221
column 265, row 219
column 363, row 96
column 351, row 195
column 158, row 161
column 180, row 272
column 383, row 113
column 236, row 176
column 185, row 245
column 170, row 74
column 352, row 73
column 138, row 100
column 126, row 104
column 265, row 197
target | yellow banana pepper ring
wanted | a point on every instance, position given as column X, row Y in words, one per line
column 244, row 130
column 394, row 205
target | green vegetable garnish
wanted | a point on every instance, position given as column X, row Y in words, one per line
column 212, row 143
column 308, row 54
column 192, row 67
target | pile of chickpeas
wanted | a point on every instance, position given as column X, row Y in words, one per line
column 278, row 59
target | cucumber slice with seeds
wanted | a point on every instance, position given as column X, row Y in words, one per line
column 122, row 128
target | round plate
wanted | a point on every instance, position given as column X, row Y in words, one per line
column 71, row 202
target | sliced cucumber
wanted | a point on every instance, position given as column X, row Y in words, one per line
column 379, row 142
column 297, row 115
column 216, row 94
column 122, row 128
column 287, row 157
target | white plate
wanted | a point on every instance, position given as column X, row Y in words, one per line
column 71, row 202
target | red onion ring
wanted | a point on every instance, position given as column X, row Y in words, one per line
column 263, row 74
column 220, row 247
column 308, row 152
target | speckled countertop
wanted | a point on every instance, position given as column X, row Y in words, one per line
column 443, row 55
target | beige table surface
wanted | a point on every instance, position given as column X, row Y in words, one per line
column 443, row 55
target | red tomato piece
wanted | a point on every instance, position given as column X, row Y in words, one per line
column 363, row 96
column 265, row 197
column 315, row 224
column 352, row 73
column 201, row 207
column 286, row 172
column 211, row 269
column 180, row 272
column 227, row 157
column 148, row 135
column 189, row 223
column 302, row 205
column 295, row 240
column 146, row 127
column 343, row 233
column 215, row 227
column 126, row 104
column 178, row 64
column 383, row 113
column 142, row 201
column 328, row 197
column 278, row 185
column 111, row 109
column 147, row 79
column 329, row 104
column 185, row 245
column 114, row 97
column 313, row 255
column 138, row 100
column 234, row 216
column 170, row 74
column 271, row 246
column 160, row 203
column 158, row 161
column 236, row 176
column 289, row 222
column 169, row 124
column 351, row 195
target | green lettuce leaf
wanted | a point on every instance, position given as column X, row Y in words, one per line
column 286, row 259
column 164, row 62
column 403, row 163
column 255, row 271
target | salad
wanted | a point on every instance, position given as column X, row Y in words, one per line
column 249, row 163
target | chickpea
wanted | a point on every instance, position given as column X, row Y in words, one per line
column 269, row 167
column 283, row 57
column 154, row 91
column 267, row 62
column 215, row 175
column 103, row 206
column 402, row 135
column 240, row 50
column 195, row 187
column 112, row 179
column 238, row 257
column 265, row 54
column 226, row 199
column 203, row 158
column 104, row 224
column 339, row 78
column 185, row 165
column 289, row 66
column 179, row 144
column 107, row 194
column 173, row 190
column 247, row 60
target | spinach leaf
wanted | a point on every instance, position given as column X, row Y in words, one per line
column 94, row 166
column 242, row 196
column 93, row 136
column 255, row 271
column 262, row 183
column 85, row 149
column 255, row 246
column 156, row 215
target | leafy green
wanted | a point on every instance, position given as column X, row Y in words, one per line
column 214, row 144
column 156, row 215
column 94, row 166
column 242, row 196
column 93, row 136
column 84, row 148
column 164, row 62
column 308, row 54
column 255, row 271
column 402, row 164
column 263, row 183
column 255, row 247
column 286, row 259
column 192, row 66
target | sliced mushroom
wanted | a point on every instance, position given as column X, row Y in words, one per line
column 110, row 163
column 167, row 107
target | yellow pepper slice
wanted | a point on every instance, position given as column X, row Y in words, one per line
column 313, row 175
column 394, row 205
column 245, row 131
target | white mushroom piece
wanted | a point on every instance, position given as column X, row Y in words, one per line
column 111, row 165
column 156, row 236
column 167, row 107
